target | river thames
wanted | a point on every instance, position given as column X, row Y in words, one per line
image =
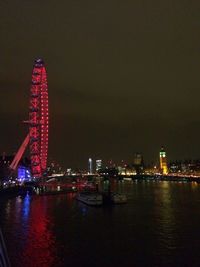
column 159, row 226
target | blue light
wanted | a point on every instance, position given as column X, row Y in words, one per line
column 23, row 173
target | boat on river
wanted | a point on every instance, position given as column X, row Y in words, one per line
column 118, row 198
column 90, row 198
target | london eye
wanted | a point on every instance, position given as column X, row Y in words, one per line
column 38, row 119
column 38, row 122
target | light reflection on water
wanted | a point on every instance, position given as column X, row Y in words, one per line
column 26, row 207
column 159, row 226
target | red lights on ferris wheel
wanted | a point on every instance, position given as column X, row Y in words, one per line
column 38, row 119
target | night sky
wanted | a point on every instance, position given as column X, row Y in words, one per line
column 123, row 76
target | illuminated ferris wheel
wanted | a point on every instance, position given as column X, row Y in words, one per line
column 38, row 122
column 38, row 119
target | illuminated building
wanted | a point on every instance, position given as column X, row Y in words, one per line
column 138, row 163
column 163, row 161
column 127, row 171
column 23, row 173
column 137, row 159
column 90, row 171
column 98, row 164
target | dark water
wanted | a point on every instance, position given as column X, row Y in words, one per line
column 159, row 226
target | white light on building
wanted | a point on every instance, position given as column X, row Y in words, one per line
column 98, row 164
column 90, row 170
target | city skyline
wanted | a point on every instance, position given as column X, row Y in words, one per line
column 116, row 86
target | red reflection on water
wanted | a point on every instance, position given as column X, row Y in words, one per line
column 40, row 243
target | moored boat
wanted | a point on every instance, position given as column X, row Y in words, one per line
column 118, row 198
column 90, row 198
